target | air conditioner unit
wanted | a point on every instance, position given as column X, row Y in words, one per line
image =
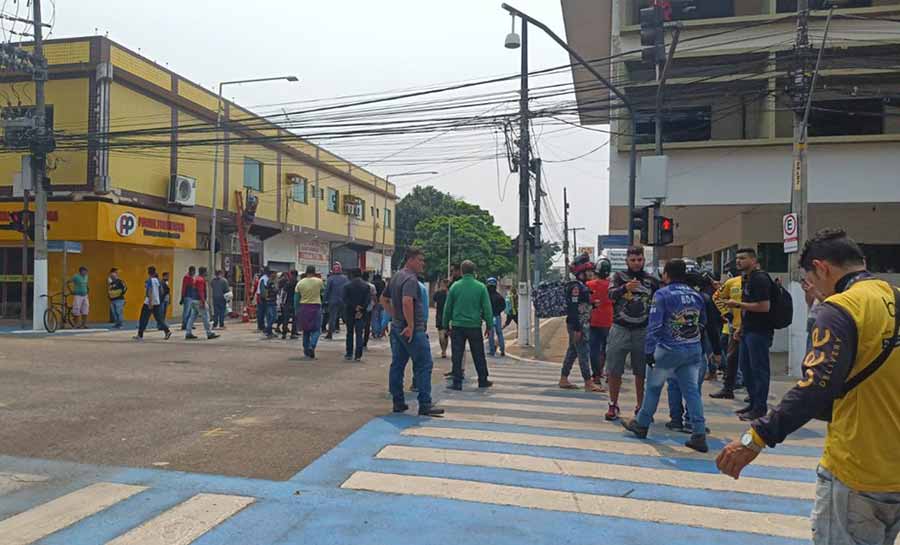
column 183, row 190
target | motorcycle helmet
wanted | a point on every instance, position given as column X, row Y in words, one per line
column 603, row 268
column 491, row 281
column 581, row 264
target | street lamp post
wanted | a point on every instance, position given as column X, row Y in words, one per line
column 388, row 179
column 632, row 163
column 215, row 187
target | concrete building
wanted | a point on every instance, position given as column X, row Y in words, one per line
column 132, row 178
column 728, row 124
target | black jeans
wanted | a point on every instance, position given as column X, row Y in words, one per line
column 731, row 368
column 219, row 311
column 146, row 311
column 355, row 332
column 458, row 338
column 367, row 319
column 287, row 315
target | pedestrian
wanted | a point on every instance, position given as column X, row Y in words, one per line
column 188, row 295
column 259, row 289
column 495, row 328
column 81, row 305
column 284, row 304
column 152, row 306
column 730, row 290
column 851, row 376
column 373, row 296
column 116, row 289
column 512, row 306
column 356, row 299
column 269, row 299
column 601, row 317
column 200, row 307
column 408, row 337
column 165, row 297
column 755, row 334
column 219, row 287
column 578, row 323
column 674, row 349
column 309, row 310
column 440, row 300
column 377, row 310
column 293, row 278
column 334, row 293
column 468, row 305
column 631, row 294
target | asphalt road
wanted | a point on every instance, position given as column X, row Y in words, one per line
column 237, row 406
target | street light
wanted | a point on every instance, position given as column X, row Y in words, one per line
column 212, row 227
column 510, row 43
column 388, row 179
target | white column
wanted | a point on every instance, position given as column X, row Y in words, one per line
column 39, row 302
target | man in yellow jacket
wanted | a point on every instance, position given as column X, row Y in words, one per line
column 731, row 290
column 851, row 378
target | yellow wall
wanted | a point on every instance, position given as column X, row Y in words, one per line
column 142, row 170
column 197, row 161
column 69, row 99
column 268, row 195
column 99, row 257
column 297, row 213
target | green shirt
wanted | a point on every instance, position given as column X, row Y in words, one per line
column 79, row 284
column 468, row 304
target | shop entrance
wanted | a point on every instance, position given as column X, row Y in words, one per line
column 11, row 282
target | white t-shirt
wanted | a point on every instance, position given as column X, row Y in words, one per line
column 153, row 299
column 263, row 281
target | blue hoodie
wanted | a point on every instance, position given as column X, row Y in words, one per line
column 677, row 319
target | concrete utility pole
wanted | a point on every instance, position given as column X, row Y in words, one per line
column 566, row 232
column 804, row 85
column 575, row 239
column 524, row 185
column 538, row 261
column 39, row 148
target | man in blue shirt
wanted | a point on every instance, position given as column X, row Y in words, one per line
column 674, row 348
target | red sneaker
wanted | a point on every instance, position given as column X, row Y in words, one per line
column 612, row 413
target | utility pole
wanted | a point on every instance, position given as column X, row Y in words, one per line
column 538, row 259
column 575, row 239
column 39, row 149
column 566, row 232
column 449, row 235
column 524, row 184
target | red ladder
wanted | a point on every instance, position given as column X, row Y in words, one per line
column 249, row 311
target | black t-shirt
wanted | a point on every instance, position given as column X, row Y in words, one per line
column 440, row 299
column 756, row 287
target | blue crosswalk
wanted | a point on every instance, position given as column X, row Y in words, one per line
column 521, row 463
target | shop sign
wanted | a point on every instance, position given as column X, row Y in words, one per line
column 139, row 226
column 312, row 253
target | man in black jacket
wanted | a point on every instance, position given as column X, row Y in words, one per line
column 357, row 295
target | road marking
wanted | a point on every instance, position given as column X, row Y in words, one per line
column 185, row 522
column 594, row 470
column 43, row 520
column 637, row 448
column 590, row 426
column 10, row 482
column 485, row 403
column 591, row 504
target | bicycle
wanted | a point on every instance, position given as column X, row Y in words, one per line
column 58, row 312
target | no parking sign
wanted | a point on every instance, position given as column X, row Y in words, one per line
column 790, row 227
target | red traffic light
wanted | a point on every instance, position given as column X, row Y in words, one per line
column 666, row 224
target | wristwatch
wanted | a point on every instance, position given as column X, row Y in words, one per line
column 748, row 442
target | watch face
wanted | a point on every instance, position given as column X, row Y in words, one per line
column 747, row 440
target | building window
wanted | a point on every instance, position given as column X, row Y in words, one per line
column 791, row 5
column 772, row 257
column 847, row 117
column 387, row 218
column 679, row 125
column 687, row 10
column 882, row 258
column 253, row 174
column 332, row 202
column 299, row 187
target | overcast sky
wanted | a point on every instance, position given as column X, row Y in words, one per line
column 345, row 47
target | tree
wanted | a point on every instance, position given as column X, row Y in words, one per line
column 473, row 237
column 549, row 251
column 423, row 203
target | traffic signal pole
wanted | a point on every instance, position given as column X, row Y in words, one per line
column 40, row 147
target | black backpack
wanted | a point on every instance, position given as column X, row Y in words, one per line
column 781, row 309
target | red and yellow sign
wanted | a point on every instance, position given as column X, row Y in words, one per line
column 86, row 221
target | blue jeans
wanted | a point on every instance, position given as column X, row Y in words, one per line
column 198, row 309
column 271, row 314
column 684, row 364
column 496, row 327
column 676, row 407
column 163, row 307
column 598, row 338
column 218, row 311
column 187, row 306
column 580, row 350
column 261, row 315
column 377, row 330
column 419, row 350
column 117, row 307
column 754, row 363
column 311, row 337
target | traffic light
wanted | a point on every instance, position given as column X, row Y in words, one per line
column 665, row 231
column 653, row 35
column 640, row 221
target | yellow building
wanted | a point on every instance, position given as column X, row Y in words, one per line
column 131, row 180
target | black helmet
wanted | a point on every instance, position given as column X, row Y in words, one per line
column 603, row 268
column 580, row 264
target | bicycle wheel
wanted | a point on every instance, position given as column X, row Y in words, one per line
column 51, row 320
column 70, row 318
